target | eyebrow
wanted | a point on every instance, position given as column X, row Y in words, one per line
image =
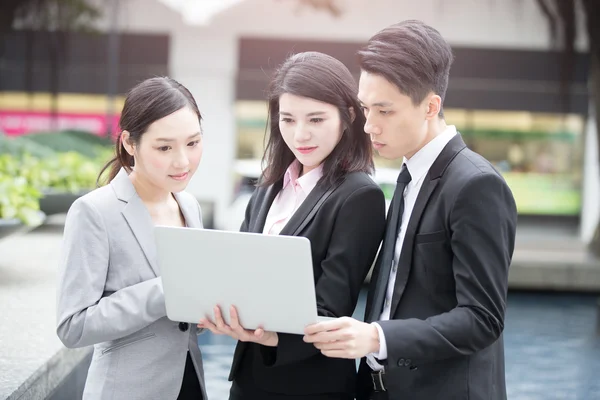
column 310, row 114
column 173, row 140
column 380, row 104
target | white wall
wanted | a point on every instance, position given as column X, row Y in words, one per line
column 489, row 23
column 204, row 58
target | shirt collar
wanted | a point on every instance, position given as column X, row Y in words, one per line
column 307, row 182
column 422, row 160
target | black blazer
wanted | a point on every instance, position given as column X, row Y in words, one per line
column 345, row 228
column 444, row 339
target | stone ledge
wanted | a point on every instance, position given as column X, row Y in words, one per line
column 48, row 377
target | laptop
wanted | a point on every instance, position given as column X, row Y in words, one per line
column 269, row 278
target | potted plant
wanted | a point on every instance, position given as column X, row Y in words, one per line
column 69, row 176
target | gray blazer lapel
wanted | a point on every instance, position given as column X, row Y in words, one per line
column 189, row 209
column 137, row 216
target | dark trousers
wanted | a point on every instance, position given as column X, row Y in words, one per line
column 190, row 386
column 254, row 393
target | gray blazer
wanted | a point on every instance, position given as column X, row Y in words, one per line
column 110, row 296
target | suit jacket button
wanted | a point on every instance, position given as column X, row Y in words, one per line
column 183, row 326
column 407, row 362
column 401, row 362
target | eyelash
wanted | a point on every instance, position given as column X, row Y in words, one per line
column 167, row 148
column 312, row 120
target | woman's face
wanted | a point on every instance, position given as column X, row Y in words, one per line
column 168, row 153
column 310, row 128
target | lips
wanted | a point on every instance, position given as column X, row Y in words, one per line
column 306, row 149
column 378, row 145
column 180, row 177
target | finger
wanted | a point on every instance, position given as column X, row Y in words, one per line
column 324, row 326
column 234, row 320
column 214, row 329
column 339, row 345
column 259, row 333
column 209, row 325
column 219, row 319
column 238, row 329
column 325, row 337
column 338, row 354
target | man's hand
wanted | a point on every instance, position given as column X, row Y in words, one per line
column 343, row 338
column 236, row 331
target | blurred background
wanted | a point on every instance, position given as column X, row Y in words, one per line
column 521, row 93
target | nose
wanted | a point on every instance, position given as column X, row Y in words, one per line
column 302, row 133
column 370, row 127
column 181, row 160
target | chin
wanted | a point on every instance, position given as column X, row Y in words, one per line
column 178, row 186
column 384, row 154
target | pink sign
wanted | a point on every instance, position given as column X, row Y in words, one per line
column 14, row 123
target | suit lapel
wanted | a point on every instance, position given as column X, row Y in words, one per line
column 139, row 220
column 432, row 179
column 189, row 211
column 308, row 209
column 141, row 225
column 405, row 261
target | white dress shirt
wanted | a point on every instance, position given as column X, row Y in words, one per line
column 418, row 166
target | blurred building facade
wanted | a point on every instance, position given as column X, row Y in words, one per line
column 504, row 93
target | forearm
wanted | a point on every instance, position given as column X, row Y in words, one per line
column 462, row 331
column 118, row 315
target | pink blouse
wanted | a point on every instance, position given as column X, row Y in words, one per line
column 294, row 191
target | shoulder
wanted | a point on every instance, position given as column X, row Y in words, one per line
column 469, row 167
column 357, row 189
column 474, row 180
column 91, row 209
column 98, row 200
column 358, row 182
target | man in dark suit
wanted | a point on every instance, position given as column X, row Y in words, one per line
column 435, row 309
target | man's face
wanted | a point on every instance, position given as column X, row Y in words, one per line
column 397, row 127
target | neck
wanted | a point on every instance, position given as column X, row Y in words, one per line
column 148, row 192
column 434, row 129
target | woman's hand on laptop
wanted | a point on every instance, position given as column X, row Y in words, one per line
column 236, row 331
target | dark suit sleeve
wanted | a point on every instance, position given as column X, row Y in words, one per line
column 357, row 233
column 482, row 224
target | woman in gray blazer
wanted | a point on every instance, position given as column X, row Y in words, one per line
column 110, row 292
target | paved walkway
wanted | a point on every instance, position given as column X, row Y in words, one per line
column 28, row 342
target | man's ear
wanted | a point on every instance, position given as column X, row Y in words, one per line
column 434, row 106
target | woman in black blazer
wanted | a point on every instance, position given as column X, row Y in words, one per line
column 316, row 185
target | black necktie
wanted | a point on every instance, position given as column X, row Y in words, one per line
column 389, row 244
